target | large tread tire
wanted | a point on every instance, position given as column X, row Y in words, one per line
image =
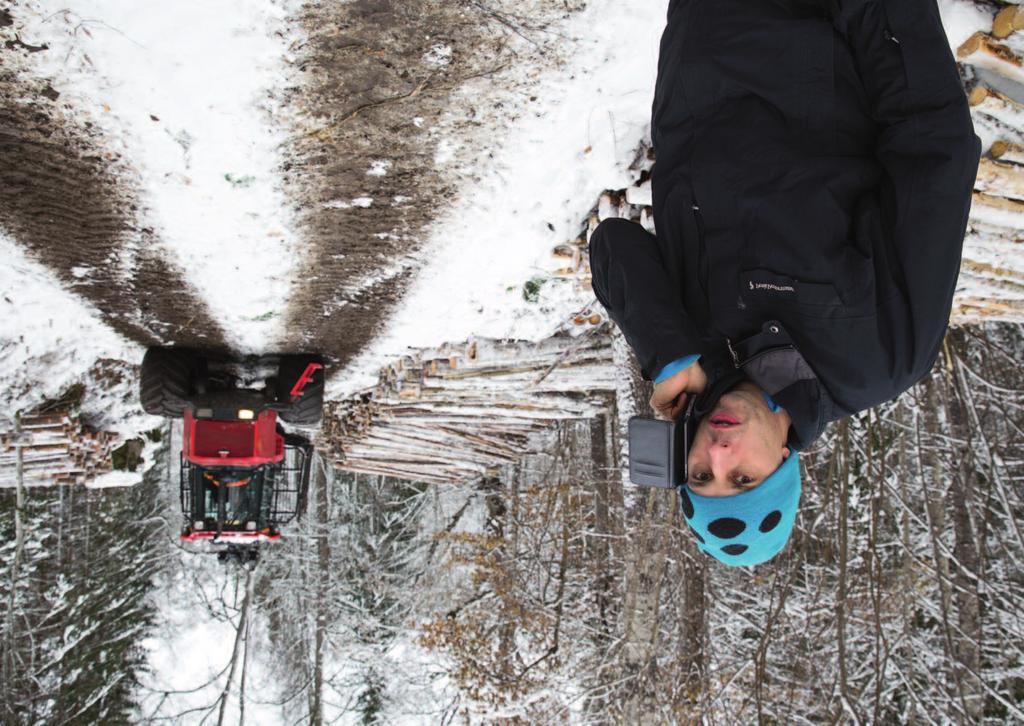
column 168, row 377
column 308, row 409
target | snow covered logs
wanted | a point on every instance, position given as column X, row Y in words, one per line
column 993, row 284
column 1000, row 183
column 1000, row 179
column 55, row 449
column 452, row 414
column 982, row 51
column 996, row 179
column 635, row 203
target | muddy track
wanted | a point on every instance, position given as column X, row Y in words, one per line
column 71, row 203
column 377, row 77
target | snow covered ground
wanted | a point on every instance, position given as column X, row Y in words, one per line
column 538, row 178
column 48, row 335
column 188, row 91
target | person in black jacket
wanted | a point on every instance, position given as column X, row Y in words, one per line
column 815, row 161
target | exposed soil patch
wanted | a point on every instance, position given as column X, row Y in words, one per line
column 70, row 202
column 381, row 79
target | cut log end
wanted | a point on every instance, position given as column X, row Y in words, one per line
column 1007, row 151
column 1007, row 21
column 981, row 49
column 977, row 95
column 970, row 45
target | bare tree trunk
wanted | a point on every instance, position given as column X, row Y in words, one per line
column 604, row 464
column 243, row 624
column 876, row 578
column 10, row 658
column 693, row 619
column 841, row 605
column 645, row 571
column 605, row 473
column 965, row 550
column 245, row 659
column 323, row 508
column 935, row 509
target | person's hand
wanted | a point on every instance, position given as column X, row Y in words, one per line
column 670, row 396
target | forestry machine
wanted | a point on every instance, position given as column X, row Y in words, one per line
column 242, row 476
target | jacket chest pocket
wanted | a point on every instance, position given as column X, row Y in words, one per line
column 761, row 285
column 771, row 293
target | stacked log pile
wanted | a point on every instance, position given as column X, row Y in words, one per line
column 458, row 412
column 56, row 448
column 633, row 202
column 992, row 273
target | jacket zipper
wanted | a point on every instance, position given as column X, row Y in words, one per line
column 751, row 359
column 701, row 252
column 732, row 352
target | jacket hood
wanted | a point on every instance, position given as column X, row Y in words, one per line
column 770, row 359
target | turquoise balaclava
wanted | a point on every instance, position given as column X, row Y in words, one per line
column 751, row 527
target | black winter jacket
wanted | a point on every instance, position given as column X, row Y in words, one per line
column 815, row 161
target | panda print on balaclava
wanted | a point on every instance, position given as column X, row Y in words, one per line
column 747, row 528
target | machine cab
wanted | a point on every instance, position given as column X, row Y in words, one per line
column 241, row 478
column 228, row 500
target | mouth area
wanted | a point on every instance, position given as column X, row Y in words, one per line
column 722, row 420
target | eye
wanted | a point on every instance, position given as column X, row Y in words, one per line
column 701, row 476
column 744, row 479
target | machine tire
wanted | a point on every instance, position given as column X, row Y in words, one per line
column 168, row 376
column 308, row 410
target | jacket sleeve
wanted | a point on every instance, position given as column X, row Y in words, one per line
column 929, row 153
column 673, row 367
column 630, row 281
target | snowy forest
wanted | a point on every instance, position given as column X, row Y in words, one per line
column 409, row 188
column 553, row 591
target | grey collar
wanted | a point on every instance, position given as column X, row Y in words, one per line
column 770, row 359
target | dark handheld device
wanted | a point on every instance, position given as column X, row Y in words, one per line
column 658, row 449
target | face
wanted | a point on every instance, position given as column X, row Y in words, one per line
column 738, row 445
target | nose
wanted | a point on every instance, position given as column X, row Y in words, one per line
column 721, row 452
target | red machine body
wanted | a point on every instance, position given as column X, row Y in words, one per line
column 232, row 537
column 211, row 442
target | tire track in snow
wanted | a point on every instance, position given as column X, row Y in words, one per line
column 68, row 200
column 381, row 79
column 189, row 92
